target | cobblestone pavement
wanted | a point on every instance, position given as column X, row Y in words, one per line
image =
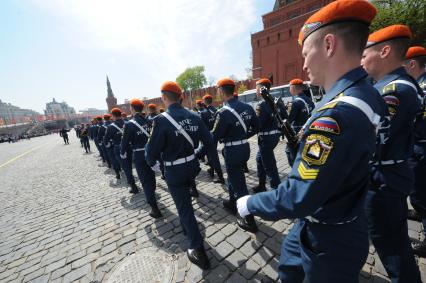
column 65, row 218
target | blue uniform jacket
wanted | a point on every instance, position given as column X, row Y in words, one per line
column 133, row 137
column 113, row 135
column 101, row 131
column 205, row 116
column 150, row 118
column 167, row 144
column 300, row 111
column 227, row 127
column 267, row 121
column 403, row 104
column 420, row 124
column 212, row 116
column 330, row 175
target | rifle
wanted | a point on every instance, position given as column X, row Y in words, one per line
column 284, row 125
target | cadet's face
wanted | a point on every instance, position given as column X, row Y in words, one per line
column 314, row 60
column 370, row 60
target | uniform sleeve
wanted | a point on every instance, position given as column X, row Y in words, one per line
column 314, row 177
column 220, row 128
column 210, row 147
column 155, row 144
column 254, row 124
column 295, row 108
column 107, row 137
column 125, row 140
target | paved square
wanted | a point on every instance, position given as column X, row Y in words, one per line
column 65, row 218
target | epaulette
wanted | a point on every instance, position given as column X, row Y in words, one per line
column 331, row 104
column 391, row 88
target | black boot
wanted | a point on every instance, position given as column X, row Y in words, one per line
column 247, row 223
column 259, row 188
column 246, row 170
column 134, row 189
column 230, row 206
column 210, row 171
column 419, row 248
column 117, row 174
column 413, row 215
column 155, row 211
column 219, row 180
column 194, row 192
column 198, row 257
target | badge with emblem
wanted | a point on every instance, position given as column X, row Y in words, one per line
column 325, row 124
column 317, row 149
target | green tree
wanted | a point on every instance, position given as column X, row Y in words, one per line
column 408, row 12
column 242, row 88
column 192, row 78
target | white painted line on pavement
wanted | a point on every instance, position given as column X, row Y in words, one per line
column 21, row 155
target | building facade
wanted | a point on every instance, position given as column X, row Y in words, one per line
column 276, row 52
column 58, row 110
column 92, row 112
column 10, row 114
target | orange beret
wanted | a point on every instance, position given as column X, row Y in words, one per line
column 235, row 94
column 264, row 82
column 296, row 82
column 107, row 116
column 116, row 111
column 199, row 101
column 207, row 96
column 98, row 118
column 152, row 106
column 388, row 33
column 415, row 51
column 172, row 87
column 337, row 12
column 136, row 102
column 225, row 81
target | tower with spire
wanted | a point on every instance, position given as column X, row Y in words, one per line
column 110, row 100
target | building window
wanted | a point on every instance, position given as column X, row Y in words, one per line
column 258, row 43
column 279, row 36
column 293, row 14
column 267, row 40
column 290, row 33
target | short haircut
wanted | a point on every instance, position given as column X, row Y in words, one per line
column 208, row 100
column 354, row 35
column 400, row 47
column 171, row 96
column 137, row 108
column 421, row 61
column 228, row 90
column 300, row 87
column 117, row 115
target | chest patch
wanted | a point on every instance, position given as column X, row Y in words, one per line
column 317, row 149
column 325, row 124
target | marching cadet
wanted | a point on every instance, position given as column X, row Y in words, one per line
column 392, row 178
column 175, row 135
column 301, row 108
column 235, row 123
column 415, row 66
column 84, row 137
column 64, row 134
column 325, row 191
column 152, row 113
column 101, row 135
column 268, row 138
column 98, row 125
column 135, row 137
column 127, row 162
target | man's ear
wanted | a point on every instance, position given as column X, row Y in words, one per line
column 385, row 51
column 330, row 44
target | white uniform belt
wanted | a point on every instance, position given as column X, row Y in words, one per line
column 269, row 133
column 139, row 149
column 235, row 142
column 387, row 162
column 314, row 220
column 179, row 161
column 421, row 141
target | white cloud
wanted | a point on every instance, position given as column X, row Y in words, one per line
column 165, row 35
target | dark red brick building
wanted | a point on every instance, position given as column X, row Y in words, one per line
column 275, row 48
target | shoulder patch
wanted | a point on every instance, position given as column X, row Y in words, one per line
column 325, row 124
column 392, row 102
column 389, row 89
column 317, row 149
column 306, row 173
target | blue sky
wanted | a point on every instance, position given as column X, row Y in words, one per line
column 64, row 49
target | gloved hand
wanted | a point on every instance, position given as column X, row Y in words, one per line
column 242, row 206
column 123, row 156
column 156, row 167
